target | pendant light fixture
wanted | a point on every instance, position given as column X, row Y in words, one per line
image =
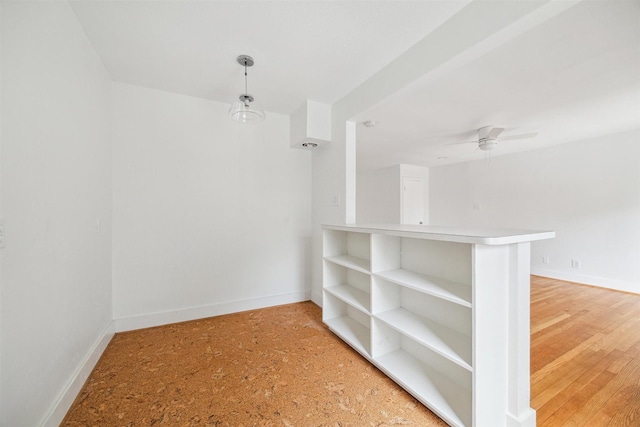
column 245, row 108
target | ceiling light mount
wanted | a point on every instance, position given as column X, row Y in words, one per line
column 245, row 109
column 245, row 60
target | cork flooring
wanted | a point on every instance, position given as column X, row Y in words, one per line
column 278, row 366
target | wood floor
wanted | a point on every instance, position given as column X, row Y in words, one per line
column 585, row 370
column 585, row 355
column 277, row 366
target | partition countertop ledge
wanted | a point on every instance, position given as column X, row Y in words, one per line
column 480, row 236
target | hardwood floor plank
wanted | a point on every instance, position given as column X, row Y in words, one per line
column 572, row 388
column 585, row 355
column 550, row 386
column 621, row 409
column 567, row 375
column 550, row 335
column 577, row 403
column 600, row 398
column 552, row 321
column 547, row 364
column 629, row 415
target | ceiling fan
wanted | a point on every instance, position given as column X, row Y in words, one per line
column 488, row 137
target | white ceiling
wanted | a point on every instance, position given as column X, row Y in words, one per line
column 574, row 75
column 317, row 50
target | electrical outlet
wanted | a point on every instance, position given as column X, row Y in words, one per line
column 575, row 263
column 545, row 260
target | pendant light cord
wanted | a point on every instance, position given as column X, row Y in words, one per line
column 246, row 92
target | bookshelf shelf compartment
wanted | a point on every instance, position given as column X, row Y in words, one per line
column 441, row 288
column 439, row 324
column 351, row 295
column 349, row 249
column 444, row 341
column 349, row 261
column 448, row 400
column 349, row 323
column 348, row 285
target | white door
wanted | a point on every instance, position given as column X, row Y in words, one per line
column 412, row 200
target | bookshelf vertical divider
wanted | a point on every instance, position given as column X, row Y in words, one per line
column 441, row 311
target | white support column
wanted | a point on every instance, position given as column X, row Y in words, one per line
column 350, row 173
column 519, row 412
column 490, row 339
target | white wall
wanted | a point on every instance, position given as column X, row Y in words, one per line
column 210, row 216
column 587, row 191
column 1, row 211
column 56, row 184
column 378, row 199
column 379, row 193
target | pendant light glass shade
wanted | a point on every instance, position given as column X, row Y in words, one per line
column 245, row 109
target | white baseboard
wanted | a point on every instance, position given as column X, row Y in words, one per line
column 526, row 419
column 601, row 282
column 192, row 313
column 316, row 297
column 66, row 398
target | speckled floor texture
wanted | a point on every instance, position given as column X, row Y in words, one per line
column 278, row 366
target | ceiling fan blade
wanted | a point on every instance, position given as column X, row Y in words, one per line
column 521, row 136
column 494, row 132
column 461, row 142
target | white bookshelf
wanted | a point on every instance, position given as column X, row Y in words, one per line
column 437, row 310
